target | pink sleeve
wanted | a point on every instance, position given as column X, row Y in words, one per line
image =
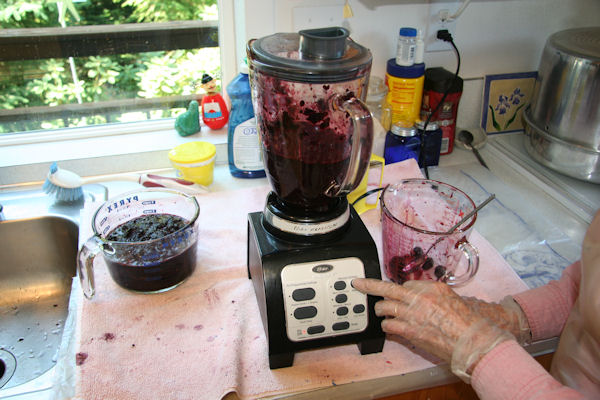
column 508, row 372
column 547, row 307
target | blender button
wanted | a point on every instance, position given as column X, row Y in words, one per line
column 341, row 298
column 359, row 308
column 303, row 294
column 340, row 326
column 305, row 312
column 312, row 330
column 339, row 285
column 342, row 311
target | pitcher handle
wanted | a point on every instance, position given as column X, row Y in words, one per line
column 85, row 263
column 473, row 265
column 362, row 143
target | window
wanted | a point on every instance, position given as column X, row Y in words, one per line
column 77, row 63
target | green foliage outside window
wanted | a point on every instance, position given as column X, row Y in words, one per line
column 49, row 82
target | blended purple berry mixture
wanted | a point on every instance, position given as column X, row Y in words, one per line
column 306, row 145
column 158, row 264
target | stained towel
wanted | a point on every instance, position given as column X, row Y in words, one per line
column 205, row 339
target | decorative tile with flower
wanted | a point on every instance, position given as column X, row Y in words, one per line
column 505, row 96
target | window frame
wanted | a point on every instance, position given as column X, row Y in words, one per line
column 189, row 34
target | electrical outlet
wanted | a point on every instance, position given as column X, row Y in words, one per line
column 438, row 12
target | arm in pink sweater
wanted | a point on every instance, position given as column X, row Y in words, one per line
column 547, row 307
column 508, row 371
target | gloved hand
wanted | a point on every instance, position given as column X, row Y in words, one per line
column 433, row 317
column 507, row 315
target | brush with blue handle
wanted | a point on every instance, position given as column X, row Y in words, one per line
column 66, row 185
column 62, row 184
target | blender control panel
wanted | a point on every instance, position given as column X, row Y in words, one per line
column 319, row 300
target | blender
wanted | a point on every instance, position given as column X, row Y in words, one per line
column 308, row 243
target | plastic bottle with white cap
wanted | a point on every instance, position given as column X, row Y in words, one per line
column 407, row 43
column 419, row 47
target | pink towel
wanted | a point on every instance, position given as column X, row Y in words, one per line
column 205, row 338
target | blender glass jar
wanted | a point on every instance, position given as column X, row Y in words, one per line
column 308, row 90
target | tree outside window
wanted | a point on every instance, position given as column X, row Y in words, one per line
column 94, row 80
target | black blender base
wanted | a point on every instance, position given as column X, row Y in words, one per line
column 268, row 256
column 368, row 346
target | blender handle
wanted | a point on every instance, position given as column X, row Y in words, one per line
column 362, row 142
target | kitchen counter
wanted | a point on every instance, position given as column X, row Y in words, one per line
column 538, row 221
column 537, row 230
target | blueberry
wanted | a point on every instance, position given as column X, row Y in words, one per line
column 427, row 264
column 440, row 271
column 417, row 251
column 401, row 277
column 397, row 262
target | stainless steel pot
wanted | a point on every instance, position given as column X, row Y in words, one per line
column 563, row 120
column 565, row 157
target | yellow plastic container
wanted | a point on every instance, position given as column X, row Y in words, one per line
column 194, row 161
column 372, row 179
column 405, row 91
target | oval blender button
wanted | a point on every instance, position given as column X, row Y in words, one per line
column 305, row 312
column 340, row 326
column 303, row 294
column 359, row 308
column 339, row 285
column 313, row 330
column 341, row 298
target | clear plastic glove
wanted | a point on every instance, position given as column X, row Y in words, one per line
column 433, row 317
column 507, row 315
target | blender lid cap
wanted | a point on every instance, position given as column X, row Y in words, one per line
column 327, row 43
column 312, row 55
column 408, row 32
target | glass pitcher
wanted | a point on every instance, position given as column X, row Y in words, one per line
column 316, row 133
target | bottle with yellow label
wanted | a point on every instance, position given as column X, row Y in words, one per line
column 405, row 91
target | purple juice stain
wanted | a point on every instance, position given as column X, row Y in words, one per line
column 80, row 358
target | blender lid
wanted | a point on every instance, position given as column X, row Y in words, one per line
column 312, row 55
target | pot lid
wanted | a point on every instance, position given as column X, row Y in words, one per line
column 579, row 42
column 312, row 55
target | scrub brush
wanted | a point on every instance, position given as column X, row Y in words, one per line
column 66, row 185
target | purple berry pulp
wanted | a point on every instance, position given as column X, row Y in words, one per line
column 153, row 252
column 306, row 143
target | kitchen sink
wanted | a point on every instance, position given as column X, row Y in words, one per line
column 37, row 264
column 38, row 253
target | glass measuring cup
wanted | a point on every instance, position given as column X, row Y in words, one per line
column 147, row 238
column 416, row 217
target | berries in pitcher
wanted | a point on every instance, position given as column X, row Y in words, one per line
column 397, row 263
column 440, row 271
column 427, row 264
column 417, row 252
